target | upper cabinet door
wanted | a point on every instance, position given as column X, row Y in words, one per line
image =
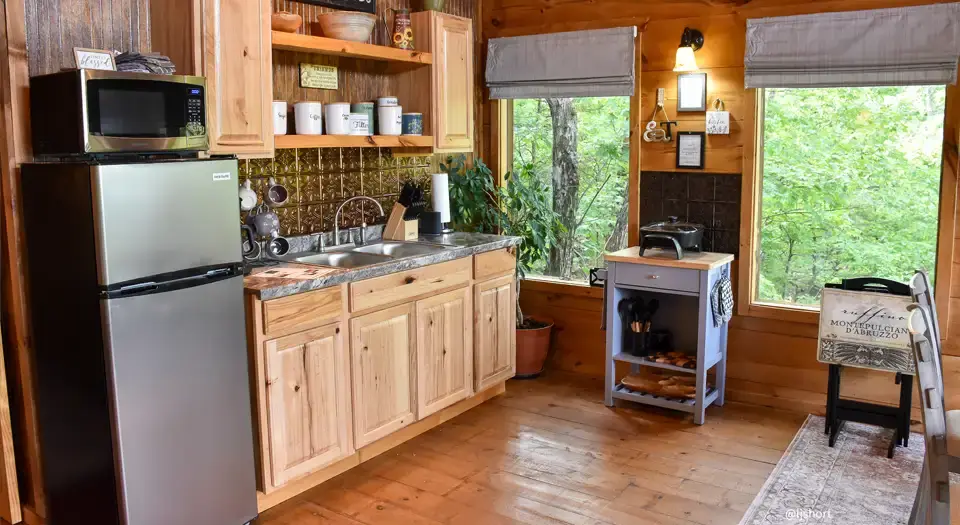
column 495, row 331
column 452, row 47
column 381, row 354
column 238, row 63
column 444, row 351
column 308, row 403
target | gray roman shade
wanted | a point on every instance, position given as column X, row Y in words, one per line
column 595, row 63
column 909, row 45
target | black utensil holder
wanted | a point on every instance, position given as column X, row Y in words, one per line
column 636, row 343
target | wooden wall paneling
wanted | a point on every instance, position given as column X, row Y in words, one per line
column 173, row 30
column 55, row 27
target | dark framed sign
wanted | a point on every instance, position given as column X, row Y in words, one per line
column 690, row 149
column 366, row 6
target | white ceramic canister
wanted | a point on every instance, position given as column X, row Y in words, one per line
column 309, row 118
column 279, row 117
column 390, row 119
column 337, row 115
column 359, row 124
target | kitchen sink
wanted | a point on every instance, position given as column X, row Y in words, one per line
column 399, row 250
column 344, row 259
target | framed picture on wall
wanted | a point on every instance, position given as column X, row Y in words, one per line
column 366, row 6
column 692, row 92
column 690, row 149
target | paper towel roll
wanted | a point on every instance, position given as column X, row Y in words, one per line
column 441, row 196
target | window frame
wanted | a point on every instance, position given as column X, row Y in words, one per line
column 751, row 198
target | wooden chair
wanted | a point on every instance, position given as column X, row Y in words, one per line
column 922, row 293
column 932, row 503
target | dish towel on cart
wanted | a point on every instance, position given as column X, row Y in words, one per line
column 721, row 299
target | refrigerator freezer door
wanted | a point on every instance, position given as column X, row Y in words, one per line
column 161, row 217
column 179, row 384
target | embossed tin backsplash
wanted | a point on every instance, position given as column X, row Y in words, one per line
column 320, row 179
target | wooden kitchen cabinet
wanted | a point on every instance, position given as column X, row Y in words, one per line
column 229, row 43
column 450, row 39
column 382, row 347
column 308, row 403
column 495, row 327
column 444, row 351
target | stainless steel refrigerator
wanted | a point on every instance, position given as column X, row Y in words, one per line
column 135, row 289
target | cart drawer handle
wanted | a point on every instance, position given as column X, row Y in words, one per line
column 653, row 276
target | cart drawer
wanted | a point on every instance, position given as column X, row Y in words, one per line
column 660, row 277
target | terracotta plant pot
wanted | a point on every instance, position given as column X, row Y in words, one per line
column 286, row 22
column 533, row 344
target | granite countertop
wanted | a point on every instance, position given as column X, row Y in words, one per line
column 281, row 280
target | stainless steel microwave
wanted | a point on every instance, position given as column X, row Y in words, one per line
column 84, row 112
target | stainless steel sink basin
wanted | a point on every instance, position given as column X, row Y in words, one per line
column 399, row 250
column 344, row 259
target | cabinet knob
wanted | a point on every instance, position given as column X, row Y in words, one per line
column 296, row 388
column 653, row 276
column 410, row 279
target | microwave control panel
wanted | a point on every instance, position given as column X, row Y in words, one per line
column 195, row 110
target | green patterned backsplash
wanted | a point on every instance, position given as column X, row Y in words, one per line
column 320, row 179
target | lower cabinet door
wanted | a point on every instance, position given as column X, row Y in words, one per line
column 382, row 355
column 444, row 351
column 495, row 331
column 308, row 403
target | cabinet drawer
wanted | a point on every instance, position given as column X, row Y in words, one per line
column 301, row 311
column 490, row 264
column 400, row 286
column 648, row 276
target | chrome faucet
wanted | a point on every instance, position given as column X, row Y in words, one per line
column 336, row 219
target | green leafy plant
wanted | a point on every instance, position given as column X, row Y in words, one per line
column 518, row 208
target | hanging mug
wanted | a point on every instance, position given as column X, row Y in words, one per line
column 402, row 29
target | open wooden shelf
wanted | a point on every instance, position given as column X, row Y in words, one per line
column 352, row 141
column 343, row 48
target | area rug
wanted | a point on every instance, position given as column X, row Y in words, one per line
column 852, row 483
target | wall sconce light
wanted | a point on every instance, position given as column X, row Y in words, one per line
column 691, row 41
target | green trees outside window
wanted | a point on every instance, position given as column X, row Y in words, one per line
column 576, row 153
column 851, row 180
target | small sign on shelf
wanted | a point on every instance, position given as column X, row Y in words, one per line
column 94, row 59
column 318, row 76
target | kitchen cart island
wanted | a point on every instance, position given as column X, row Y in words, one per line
column 682, row 288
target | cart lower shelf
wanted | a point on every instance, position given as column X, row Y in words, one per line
column 687, row 405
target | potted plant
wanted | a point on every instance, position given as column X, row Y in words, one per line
column 519, row 209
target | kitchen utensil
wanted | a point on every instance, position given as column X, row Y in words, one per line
column 250, row 248
column 402, row 29
column 277, row 246
column 285, row 22
column 369, row 109
column 337, row 115
column 279, row 117
column 430, row 223
column 671, row 233
column 388, row 101
column 359, row 124
column 407, row 193
column 347, row 25
column 412, row 124
column 276, row 194
column 248, row 197
column 265, row 222
column 390, row 120
column 309, row 118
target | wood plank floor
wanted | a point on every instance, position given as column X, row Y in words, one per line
column 549, row 452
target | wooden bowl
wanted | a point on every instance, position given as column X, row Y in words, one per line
column 286, row 22
column 347, row 25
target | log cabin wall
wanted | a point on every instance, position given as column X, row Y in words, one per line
column 772, row 362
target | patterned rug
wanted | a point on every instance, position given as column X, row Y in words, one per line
column 851, row 484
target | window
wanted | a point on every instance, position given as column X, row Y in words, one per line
column 576, row 151
column 850, row 187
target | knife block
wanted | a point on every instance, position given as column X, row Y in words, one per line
column 398, row 229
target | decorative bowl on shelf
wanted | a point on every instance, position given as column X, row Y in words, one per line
column 285, row 22
column 347, row 25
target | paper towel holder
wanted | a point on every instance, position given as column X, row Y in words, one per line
column 440, row 195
